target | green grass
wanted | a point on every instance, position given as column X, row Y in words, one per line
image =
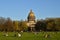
column 31, row 36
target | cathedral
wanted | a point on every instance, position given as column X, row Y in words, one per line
column 31, row 20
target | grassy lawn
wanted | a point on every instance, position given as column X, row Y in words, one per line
column 31, row 36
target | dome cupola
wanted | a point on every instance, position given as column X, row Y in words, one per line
column 31, row 16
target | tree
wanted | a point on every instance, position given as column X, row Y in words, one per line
column 8, row 25
column 57, row 22
column 40, row 25
column 2, row 21
column 23, row 25
column 15, row 24
column 50, row 24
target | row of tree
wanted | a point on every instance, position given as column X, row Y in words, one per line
column 6, row 24
column 49, row 24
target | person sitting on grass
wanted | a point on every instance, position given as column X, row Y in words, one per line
column 5, row 34
column 47, row 36
column 19, row 35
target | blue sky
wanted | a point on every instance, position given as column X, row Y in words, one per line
column 19, row 9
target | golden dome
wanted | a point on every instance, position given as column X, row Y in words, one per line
column 31, row 13
column 31, row 16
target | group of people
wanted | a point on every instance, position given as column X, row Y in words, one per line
column 35, row 33
column 19, row 35
column 16, row 34
column 44, row 35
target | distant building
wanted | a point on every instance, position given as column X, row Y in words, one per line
column 31, row 20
